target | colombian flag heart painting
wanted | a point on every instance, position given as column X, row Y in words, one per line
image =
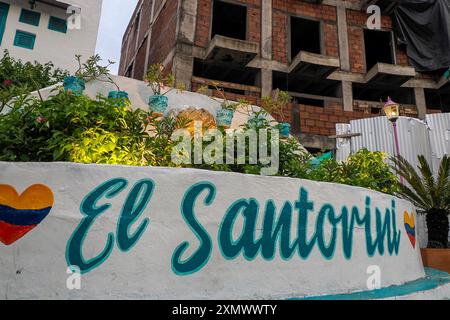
column 410, row 227
column 19, row 214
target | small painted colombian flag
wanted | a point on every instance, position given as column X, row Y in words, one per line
column 410, row 227
column 19, row 214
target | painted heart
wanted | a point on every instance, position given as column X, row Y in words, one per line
column 19, row 214
column 410, row 227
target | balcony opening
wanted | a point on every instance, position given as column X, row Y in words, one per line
column 229, row 20
column 437, row 101
column 380, row 95
column 217, row 70
column 378, row 47
column 305, row 36
column 308, row 91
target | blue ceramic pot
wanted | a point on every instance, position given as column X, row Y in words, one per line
column 224, row 117
column 120, row 96
column 285, row 130
column 158, row 104
column 74, row 85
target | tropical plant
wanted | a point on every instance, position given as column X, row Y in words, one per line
column 91, row 69
column 277, row 104
column 225, row 104
column 430, row 194
column 158, row 80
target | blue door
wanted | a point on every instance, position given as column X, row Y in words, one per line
column 4, row 8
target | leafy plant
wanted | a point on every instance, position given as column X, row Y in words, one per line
column 225, row 104
column 364, row 169
column 93, row 70
column 158, row 81
column 430, row 194
column 277, row 104
column 19, row 78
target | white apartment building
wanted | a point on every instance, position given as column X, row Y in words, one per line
column 50, row 30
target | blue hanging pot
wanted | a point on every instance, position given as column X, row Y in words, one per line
column 120, row 96
column 224, row 118
column 74, row 85
column 285, row 130
column 158, row 104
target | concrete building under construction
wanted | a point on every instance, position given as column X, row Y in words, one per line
column 320, row 51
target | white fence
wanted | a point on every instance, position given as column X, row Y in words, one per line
column 430, row 138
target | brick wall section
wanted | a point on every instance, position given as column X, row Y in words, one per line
column 202, row 31
column 322, row 121
column 123, row 57
column 164, row 33
column 279, row 42
column 251, row 97
column 140, row 70
column 146, row 13
column 280, row 30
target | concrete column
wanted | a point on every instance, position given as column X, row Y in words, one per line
column 420, row 102
column 183, row 66
column 343, row 36
column 266, row 46
column 183, row 61
column 266, row 82
column 347, row 95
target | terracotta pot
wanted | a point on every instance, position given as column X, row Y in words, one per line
column 436, row 259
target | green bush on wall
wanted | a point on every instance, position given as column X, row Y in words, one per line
column 84, row 130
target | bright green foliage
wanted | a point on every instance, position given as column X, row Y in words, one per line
column 32, row 75
column 18, row 78
column 97, row 145
column 84, row 130
column 364, row 169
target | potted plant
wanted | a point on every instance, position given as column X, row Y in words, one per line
column 225, row 115
column 88, row 71
column 120, row 96
column 278, row 105
column 431, row 195
column 158, row 82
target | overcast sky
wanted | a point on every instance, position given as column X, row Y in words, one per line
column 115, row 17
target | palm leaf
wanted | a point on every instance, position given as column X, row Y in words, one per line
column 407, row 171
column 423, row 189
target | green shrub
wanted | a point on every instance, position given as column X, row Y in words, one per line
column 364, row 169
column 17, row 77
column 85, row 130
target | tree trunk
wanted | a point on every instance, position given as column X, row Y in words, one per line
column 438, row 228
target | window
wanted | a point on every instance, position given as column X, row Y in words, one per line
column 4, row 8
column 229, row 20
column 57, row 24
column 378, row 47
column 24, row 40
column 30, row 17
column 305, row 36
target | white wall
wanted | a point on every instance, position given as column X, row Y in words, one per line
column 50, row 45
column 34, row 267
